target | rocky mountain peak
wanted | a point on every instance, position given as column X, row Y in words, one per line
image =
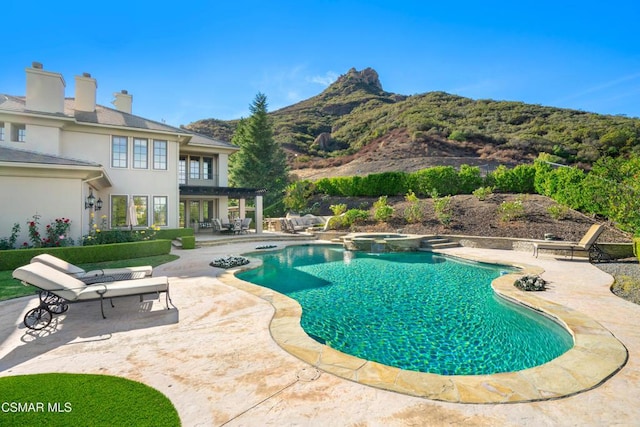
column 368, row 76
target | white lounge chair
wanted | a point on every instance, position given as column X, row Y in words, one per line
column 94, row 276
column 587, row 243
column 61, row 288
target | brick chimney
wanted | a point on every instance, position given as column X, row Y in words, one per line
column 45, row 90
column 123, row 101
column 86, row 93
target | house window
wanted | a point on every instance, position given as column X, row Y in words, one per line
column 207, row 168
column 19, row 133
column 142, row 210
column 119, row 148
column 194, row 168
column 1, row 131
column 159, row 154
column 140, row 153
column 182, row 170
column 159, row 210
column 118, row 211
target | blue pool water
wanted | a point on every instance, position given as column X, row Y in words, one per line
column 417, row 311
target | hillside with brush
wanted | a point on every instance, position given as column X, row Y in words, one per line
column 356, row 127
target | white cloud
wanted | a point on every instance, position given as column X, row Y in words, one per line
column 325, row 80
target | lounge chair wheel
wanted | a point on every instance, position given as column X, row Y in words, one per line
column 37, row 318
column 54, row 303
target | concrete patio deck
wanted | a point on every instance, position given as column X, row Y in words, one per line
column 219, row 364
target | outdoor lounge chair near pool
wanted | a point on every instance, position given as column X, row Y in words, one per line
column 587, row 243
column 60, row 288
column 94, row 276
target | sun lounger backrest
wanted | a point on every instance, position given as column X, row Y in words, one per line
column 591, row 236
column 58, row 264
column 49, row 279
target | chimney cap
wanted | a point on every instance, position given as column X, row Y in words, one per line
column 124, row 91
column 37, row 65
column 86, row 74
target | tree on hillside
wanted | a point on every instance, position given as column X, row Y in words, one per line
column 261, row 162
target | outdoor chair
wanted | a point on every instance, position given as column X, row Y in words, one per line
column 286, row 226
column 88, row 277
column 244, row 225
column 58, row 289
column 587, row 243
column 227, row 226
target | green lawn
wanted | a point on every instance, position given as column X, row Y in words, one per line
column 11, row 288
column 82, row 399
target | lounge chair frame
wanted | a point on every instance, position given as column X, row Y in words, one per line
column 55, row 301
column 587, row 243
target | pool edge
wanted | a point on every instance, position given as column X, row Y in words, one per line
column 595, row 357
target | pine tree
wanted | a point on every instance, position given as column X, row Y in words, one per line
column 261, row 162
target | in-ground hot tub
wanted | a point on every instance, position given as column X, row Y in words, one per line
column 382, row 242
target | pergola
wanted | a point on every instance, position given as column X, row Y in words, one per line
column 233, row 193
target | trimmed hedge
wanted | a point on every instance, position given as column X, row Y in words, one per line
column 188, row 242
column 14, row 258
column 174, row 233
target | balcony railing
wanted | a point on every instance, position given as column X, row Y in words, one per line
column 213, row 182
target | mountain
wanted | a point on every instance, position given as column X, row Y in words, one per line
column 356, row 127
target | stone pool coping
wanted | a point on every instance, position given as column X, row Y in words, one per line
column 596, row 355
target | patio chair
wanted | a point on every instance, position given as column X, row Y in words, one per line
column 60, row 288
column 587, row 243
column 94, row 276
column 286, row 226
column 244, row 225
column 227, row 226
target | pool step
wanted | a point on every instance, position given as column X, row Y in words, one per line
column 435, row 242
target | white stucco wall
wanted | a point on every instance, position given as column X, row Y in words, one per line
column 50, row 198
column 128, row 181
column 43, row 139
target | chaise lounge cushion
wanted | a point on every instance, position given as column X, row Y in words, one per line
column 47, row 278
column 116, row 273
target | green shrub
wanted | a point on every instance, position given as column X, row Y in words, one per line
column 10, row 242
column 469, row 179
column 511, row 211
column 482, row 193
column 381, row 209
column 520, row 179
column 12, row 259
column 338, row 209
column 173, row 233
column 389, row 183
column 442, row 208
column 188, row 242
column 355, row 216
column 558, row 212
column 413, row 213
column 443, row 178
column 297, row 195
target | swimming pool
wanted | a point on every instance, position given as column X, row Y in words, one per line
column 415, row 311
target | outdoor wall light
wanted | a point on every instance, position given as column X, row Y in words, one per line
column 91, row 202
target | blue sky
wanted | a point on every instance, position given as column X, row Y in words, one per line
column 185, row 61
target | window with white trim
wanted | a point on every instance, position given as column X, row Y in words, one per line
column 160, row 210
column 119, row 149
column 142, row 210
column 118, row 211
column 159, row 154
column 140, row 153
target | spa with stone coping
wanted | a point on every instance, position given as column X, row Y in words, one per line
column 595, row 356
column 382, row 242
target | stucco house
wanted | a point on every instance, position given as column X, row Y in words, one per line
column 70, row 157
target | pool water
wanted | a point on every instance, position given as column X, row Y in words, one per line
column 416, row 311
